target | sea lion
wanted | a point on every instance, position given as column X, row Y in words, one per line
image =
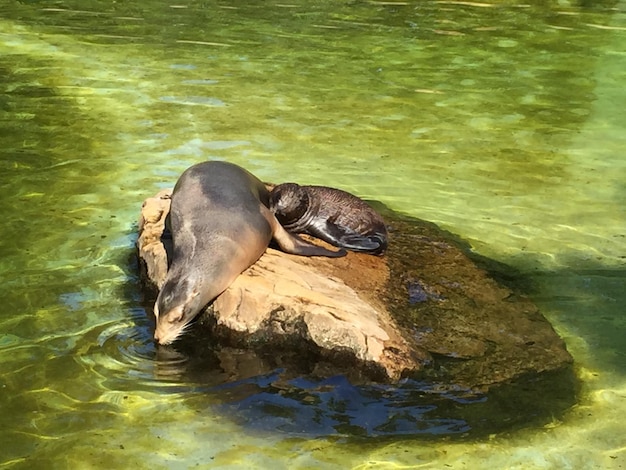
column 333, row 215
column 220, row 224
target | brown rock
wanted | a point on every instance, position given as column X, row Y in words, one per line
column 425, row 309
column 152, row 247
column 480, row 333
column 280, row 299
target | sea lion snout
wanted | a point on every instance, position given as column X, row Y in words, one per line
column 170, row 326
column 175, row 310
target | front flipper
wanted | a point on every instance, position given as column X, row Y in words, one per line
column 290, row 243
column 344, row 237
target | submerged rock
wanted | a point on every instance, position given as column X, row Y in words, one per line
column 424, row 310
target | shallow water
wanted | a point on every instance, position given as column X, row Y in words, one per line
column 502, row 122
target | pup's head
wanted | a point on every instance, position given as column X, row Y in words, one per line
column 289, row 202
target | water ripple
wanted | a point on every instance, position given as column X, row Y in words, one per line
column 276, row 392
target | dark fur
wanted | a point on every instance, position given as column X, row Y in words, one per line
column 335, row 216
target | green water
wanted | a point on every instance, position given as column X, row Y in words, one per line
column 502, row 122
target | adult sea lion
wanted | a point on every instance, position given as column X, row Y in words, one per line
column 221, row 224
column 333, row 215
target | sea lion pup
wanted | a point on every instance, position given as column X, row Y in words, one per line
column 221, row 224
column 333, row 215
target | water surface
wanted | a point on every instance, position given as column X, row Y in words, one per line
column 502, row 122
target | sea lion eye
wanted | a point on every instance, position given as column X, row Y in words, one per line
column 175, row 315
column 175, row 318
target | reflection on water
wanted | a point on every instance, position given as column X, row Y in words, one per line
column 336, row 406
column 501, row 122
column 283, row 392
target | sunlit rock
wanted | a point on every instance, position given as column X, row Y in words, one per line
column 151, row 243
column 424, row 310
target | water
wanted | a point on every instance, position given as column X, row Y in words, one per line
column 502, row 122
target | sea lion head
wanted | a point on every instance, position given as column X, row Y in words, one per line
column 178, row 303
column 290, row 203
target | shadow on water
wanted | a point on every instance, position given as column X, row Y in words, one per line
column 300, row 394
column 588, row 300
column 585, row 296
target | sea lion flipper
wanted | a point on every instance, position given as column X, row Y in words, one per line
column 373, row 243
column 344, row 237
column 367, row 244
column 290, row 243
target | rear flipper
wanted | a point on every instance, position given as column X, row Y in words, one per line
column 375, row 243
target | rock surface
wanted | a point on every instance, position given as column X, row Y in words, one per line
column 423, row 310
